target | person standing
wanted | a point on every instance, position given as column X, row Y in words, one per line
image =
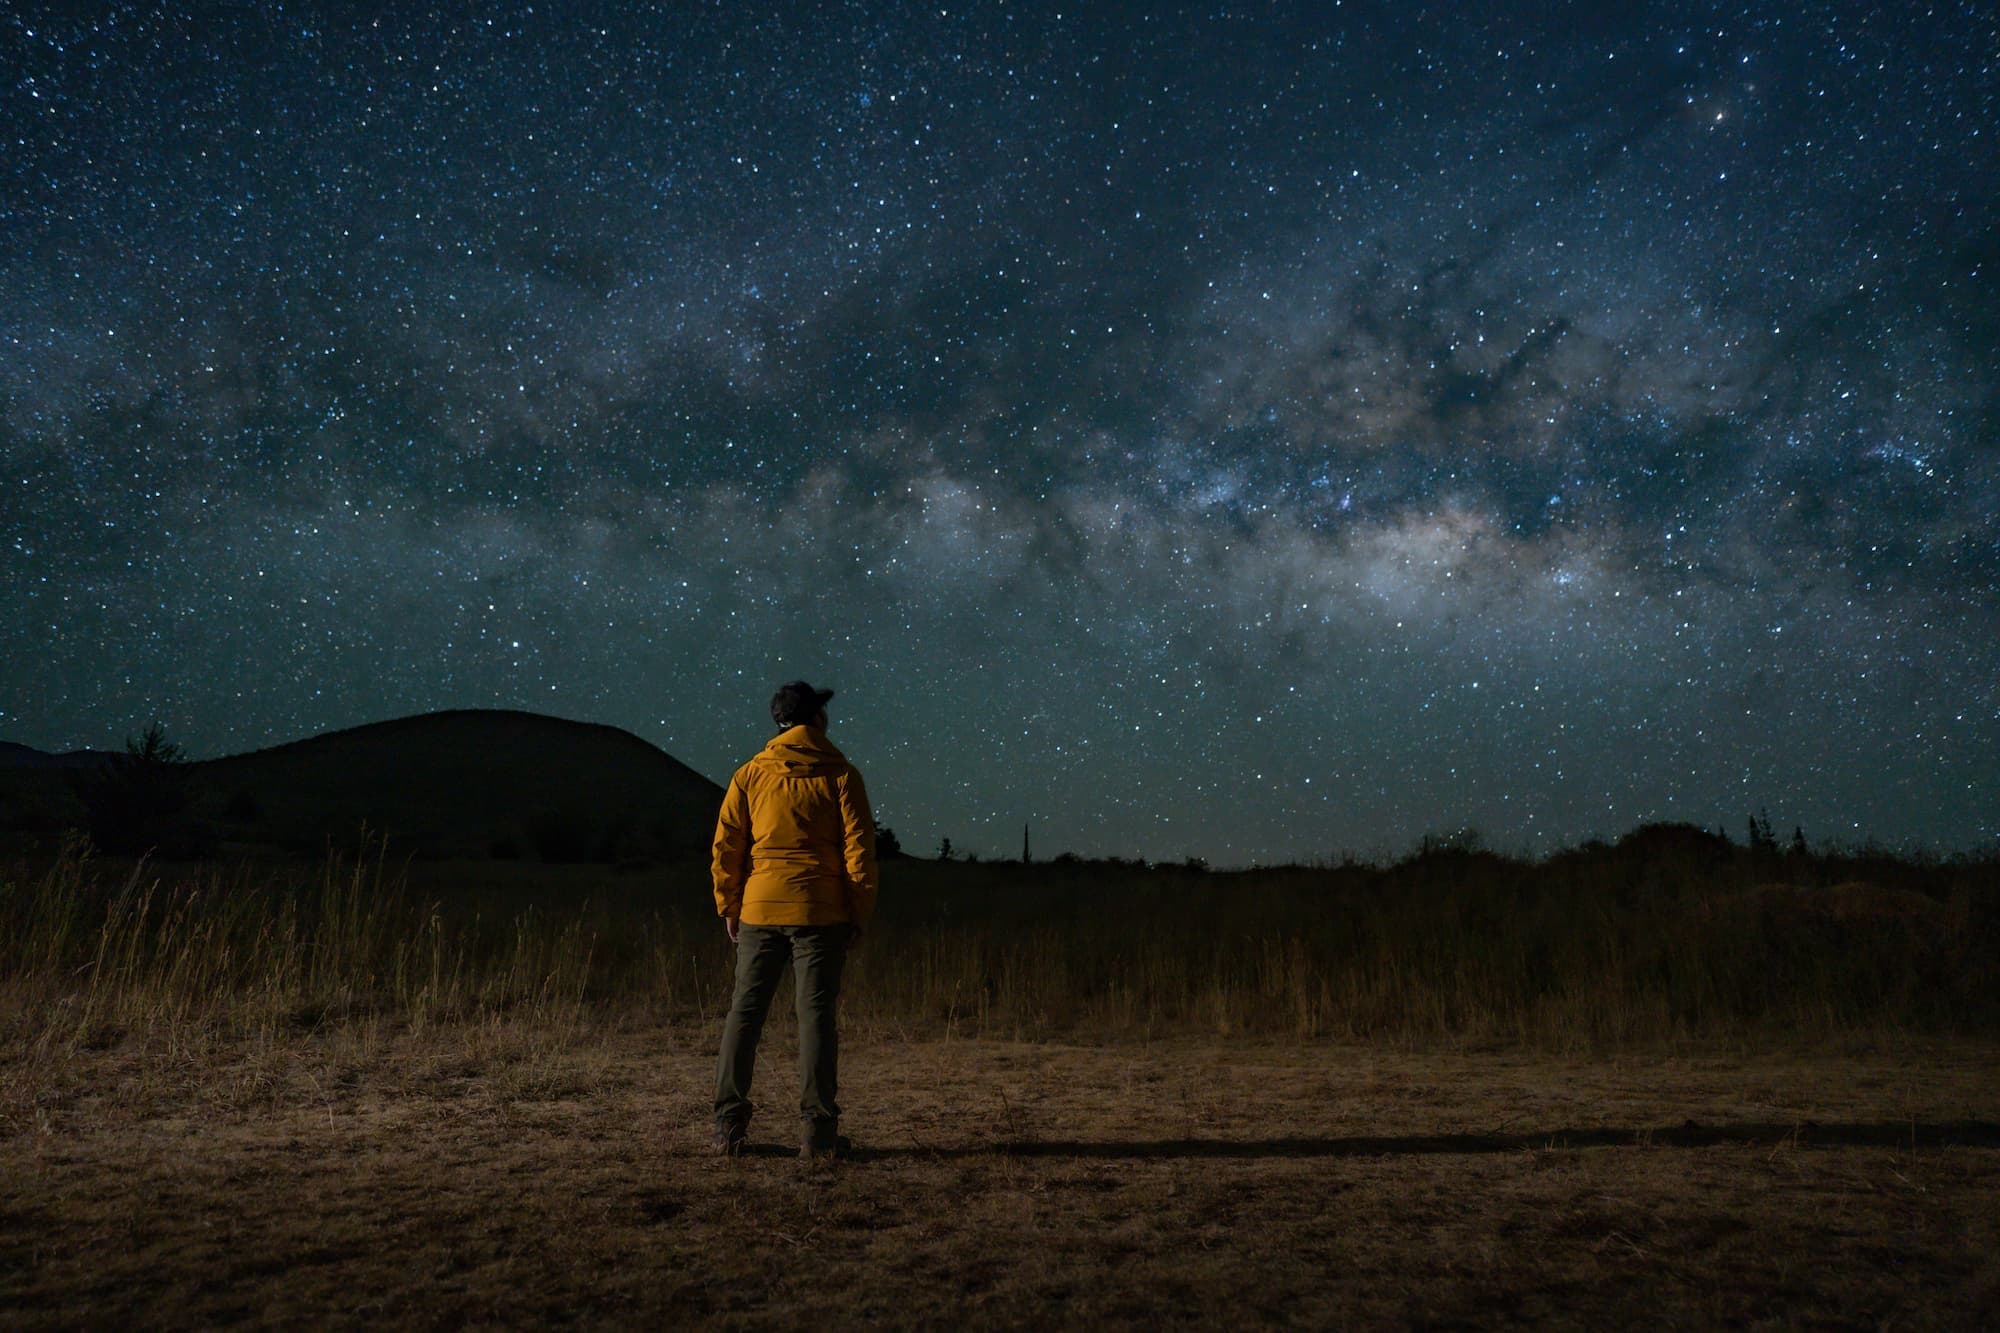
column 795, row 881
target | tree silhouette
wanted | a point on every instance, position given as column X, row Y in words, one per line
column 1761, row 837
column 136, row 802
column 151, row 746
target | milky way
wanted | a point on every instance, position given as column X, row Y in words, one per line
column 1252, row 434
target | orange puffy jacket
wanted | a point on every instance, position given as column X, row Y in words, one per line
column 795, row 842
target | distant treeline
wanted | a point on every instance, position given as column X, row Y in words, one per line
column 144, row 802
column 1761, row 849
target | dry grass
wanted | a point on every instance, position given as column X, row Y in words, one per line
column 488, row 1174
column 1590, row 951
column 1456, row 1091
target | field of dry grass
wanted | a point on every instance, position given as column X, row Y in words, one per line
column 495, row 1173
column 1664, row 1081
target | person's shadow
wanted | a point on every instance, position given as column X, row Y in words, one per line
column 1908, row 1134
column 658, row 1208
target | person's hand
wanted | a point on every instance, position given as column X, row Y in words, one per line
column 854, row 935
column 734, row 925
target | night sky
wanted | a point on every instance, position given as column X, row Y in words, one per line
column 1255, row 432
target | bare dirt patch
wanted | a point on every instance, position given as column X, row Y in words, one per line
column 517, row 1175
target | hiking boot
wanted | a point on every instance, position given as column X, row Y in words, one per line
column 730, row 1140
column 823, row 1147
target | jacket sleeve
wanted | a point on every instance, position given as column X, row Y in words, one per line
column 863, row 880
column 729, row 862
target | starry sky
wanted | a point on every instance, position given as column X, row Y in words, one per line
column 1255, row 432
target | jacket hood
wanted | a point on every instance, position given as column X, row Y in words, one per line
column 801, row 752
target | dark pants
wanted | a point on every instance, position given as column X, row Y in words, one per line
column 817, row 954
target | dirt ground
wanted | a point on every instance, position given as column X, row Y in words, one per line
column 507, row 1176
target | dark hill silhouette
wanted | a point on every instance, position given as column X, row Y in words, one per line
column 466, row 782
column 16, row 755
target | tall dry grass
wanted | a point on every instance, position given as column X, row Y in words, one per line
column 176, row 954
column 1600, row 947
column 1584, row 951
